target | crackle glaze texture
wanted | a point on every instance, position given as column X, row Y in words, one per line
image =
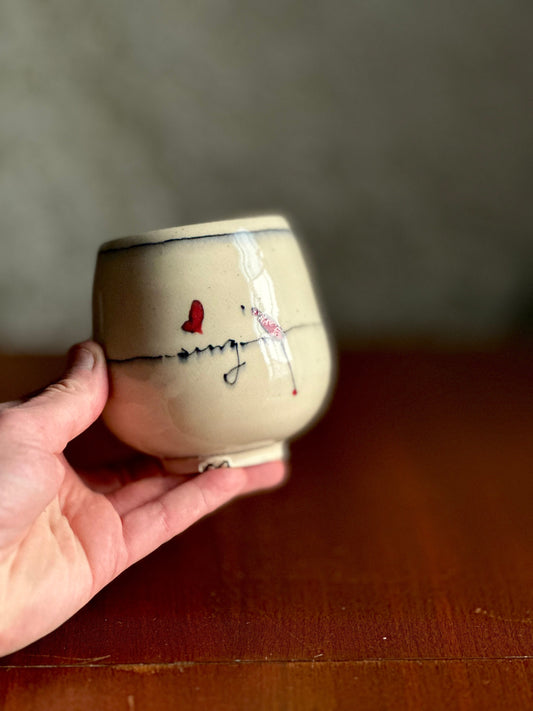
column 215, row 343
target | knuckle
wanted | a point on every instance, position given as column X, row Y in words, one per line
column 65, row 386
column 165, row 520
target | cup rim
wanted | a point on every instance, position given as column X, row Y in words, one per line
column 201, row 230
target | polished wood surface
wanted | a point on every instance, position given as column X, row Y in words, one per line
column 394, row 570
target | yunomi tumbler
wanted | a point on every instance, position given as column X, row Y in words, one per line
column 215, row 344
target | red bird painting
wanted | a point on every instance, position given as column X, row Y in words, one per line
column 196, row 318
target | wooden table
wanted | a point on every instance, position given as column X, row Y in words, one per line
column 393, row 571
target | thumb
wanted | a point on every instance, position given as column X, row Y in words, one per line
column 65, row 409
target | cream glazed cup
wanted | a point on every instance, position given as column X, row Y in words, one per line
column 216, row 349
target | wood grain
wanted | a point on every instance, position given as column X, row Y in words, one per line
column 393, row 570
column 300, row 686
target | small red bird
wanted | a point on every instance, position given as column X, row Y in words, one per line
column 196, row 318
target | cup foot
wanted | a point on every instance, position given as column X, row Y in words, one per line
column 245, row 458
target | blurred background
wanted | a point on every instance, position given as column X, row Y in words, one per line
column 396, row 136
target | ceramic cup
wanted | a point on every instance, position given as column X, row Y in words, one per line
column 215, row 345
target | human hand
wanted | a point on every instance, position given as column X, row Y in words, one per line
column 65, row 533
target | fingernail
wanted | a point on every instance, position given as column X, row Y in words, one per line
column 84, row 359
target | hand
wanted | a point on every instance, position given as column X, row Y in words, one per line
column 62, row 539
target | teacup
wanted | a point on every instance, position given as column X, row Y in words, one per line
column 216, row 348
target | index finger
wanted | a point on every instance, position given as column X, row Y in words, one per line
column 155, row 522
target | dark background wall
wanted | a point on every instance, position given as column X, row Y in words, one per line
column 396, row 136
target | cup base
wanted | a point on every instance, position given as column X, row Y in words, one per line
column 246, row 458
